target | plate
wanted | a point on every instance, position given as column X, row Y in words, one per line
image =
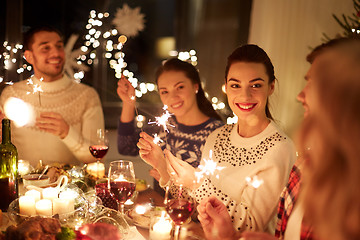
column 139, row 220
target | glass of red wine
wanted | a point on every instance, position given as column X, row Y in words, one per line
column 179, row 205
column 99, row 143
column 121, row 181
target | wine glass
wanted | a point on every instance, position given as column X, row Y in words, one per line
column 179, row 205
column 99, row 145
column 121, row 181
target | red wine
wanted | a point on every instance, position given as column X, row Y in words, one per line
column 122, row 190
column 179, row 210
column 8, row 193
column 98, row 151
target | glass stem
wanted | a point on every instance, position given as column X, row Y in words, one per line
column 122, row 208
column 177, row 232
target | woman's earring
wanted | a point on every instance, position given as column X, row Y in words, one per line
column 196, row 91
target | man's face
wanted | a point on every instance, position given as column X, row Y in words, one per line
column 47, row 56
column 307, row 97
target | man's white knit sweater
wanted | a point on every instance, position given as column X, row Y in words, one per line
column 81, row 109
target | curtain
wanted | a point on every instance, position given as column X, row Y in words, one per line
column 287, row 30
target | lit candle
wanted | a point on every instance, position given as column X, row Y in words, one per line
column 96, row 169
column 69, row 196
column 50, row 193
column 27, row 205
column 121, row 178
column 44, row 207
column 34, row 193
column 23, row 167
column 161, row 229
column 61, row 206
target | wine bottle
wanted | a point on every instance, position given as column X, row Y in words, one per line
column 8, row 167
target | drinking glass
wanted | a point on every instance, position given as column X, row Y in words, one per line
column 99, row 143
column 179, row 205
column 121, row 181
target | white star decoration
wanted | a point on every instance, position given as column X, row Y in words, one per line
column 71, row 62
column 129, row 21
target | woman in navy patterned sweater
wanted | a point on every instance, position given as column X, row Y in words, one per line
column 193, row 117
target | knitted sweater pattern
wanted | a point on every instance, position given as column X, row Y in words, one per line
column 77, row 103
column 269, row 156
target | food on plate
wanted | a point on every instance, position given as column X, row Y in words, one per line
column 34, row 228
column 66, row 234
column 141, row 185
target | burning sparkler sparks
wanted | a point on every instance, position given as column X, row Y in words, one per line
column 255, row 182
column 157, row 139
column 36, row 88
column 20, row 112
column 209, row 168
column 163, row 120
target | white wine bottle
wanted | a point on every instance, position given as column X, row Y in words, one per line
column 8, row 168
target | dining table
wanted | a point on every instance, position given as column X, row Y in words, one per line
column 193, row 228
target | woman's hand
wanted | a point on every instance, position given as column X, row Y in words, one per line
column 180, row 171
column 126, row 91
column 215, row 220
column 152, row 154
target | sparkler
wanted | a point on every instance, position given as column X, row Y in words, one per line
column 36, row 88
column 209, row 168
column 254, row 182
column 163, row 121
column 19, row 111
column 157, row 139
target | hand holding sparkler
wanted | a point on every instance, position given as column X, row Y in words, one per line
column 152, row 154
column 180, row 171
column 126, row 92
column 215, row 219
column 53, row 123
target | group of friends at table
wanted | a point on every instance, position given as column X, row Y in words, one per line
column 309, row 189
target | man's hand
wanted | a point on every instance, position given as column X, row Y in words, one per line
column 53, row 123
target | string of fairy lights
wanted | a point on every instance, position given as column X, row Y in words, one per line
column 87, row 55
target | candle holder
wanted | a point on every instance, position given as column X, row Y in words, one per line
column 161, row 225
column 73, row 219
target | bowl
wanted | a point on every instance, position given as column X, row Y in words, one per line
column 115, row 218
column 73, row 219
column 32, row 179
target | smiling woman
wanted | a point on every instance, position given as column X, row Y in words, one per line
column 193, row 117
column 254, row 147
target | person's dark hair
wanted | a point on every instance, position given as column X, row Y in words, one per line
column 175, row 64
column 327, row 45
column 253, row 54
column 29, row 35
